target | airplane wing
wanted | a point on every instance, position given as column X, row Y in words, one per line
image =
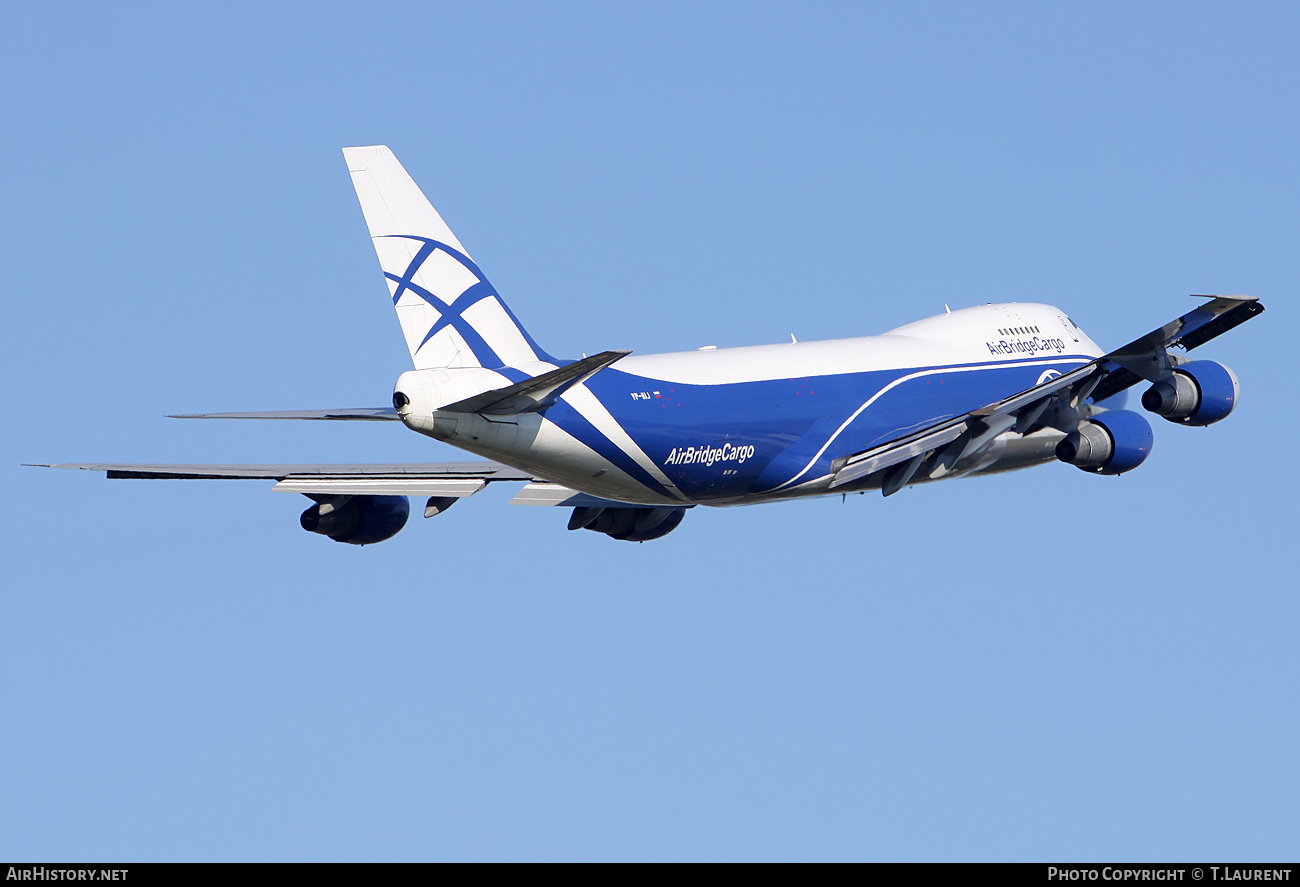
column 1055, row 403
column 437, row 480
column 943, row 445
column 443, row 482
column 1148, row 357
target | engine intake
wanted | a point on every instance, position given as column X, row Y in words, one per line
column 1198, row 393
column 356, row 520
column 1109, row 443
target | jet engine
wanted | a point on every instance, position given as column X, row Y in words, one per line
column 356, row 520
column 1109, row 443
column 631, row 524
column 1198, row 393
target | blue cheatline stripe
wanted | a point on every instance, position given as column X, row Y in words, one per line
column 778, row 414
column 967, row 376
column 451, row 315
column 569, row 420
column 453, row 312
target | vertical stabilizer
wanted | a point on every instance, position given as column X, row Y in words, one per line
column 451, row 315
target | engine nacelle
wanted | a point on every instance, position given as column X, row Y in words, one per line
column 1198, row 393
column 630, row 524
column 1109, row 443
column 357, row 520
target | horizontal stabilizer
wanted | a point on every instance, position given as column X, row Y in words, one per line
column 538, row 393
column 362, row 414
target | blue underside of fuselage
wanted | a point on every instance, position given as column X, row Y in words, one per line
column 701, row 435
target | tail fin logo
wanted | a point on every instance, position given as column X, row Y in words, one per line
column 451, row 315
column 453, row 285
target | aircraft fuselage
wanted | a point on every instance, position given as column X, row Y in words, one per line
column 736, row 425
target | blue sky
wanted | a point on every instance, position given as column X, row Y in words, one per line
column 1041, row 666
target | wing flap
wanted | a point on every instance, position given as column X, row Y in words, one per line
column 871, row 461
column 536, row 492
column 334, row 485
column 544, row 493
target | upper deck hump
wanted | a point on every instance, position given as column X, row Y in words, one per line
column 968, row 335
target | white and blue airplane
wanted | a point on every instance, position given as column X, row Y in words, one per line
column 630, row 442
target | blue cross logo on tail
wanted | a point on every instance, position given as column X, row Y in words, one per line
column 453, row 315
